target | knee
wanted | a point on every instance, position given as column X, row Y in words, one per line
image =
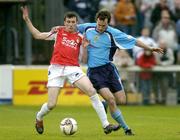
column 51, row 105
column 121, row 100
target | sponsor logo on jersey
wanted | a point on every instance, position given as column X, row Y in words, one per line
column 69, row 43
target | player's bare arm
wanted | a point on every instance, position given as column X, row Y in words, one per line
column 153, row 49
column 85, row 43
column 35, row 32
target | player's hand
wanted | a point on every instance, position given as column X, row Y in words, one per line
column 25, row 12
column 55, row 29
column 158, row 50
column 85, row 42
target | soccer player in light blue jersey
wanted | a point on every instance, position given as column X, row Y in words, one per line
column 103, row 41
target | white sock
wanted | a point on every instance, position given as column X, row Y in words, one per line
column 98, row 106
column 44, row 110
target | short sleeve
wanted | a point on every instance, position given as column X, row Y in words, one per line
column 122, row 40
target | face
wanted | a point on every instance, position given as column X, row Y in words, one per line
column 145, row 32
column 165, row 17
column 70, row 24
column 101, row 25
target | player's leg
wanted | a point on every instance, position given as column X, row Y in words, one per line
column 85, row 85
column 80, row 80
column 53, row 93
column 113, row 91
column 116, row 87
column 114, row 110
column 46, row 108
column 55, row 82
column 120, row 97
column 109, row 98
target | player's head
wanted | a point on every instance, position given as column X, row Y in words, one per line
column 103, row 18
column 70, row 21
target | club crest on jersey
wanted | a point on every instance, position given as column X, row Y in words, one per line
column 96, row 38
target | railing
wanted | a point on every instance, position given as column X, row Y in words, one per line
column 172, row 94
column 171, row 68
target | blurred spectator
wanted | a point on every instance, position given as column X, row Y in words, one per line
column 177, row 9
column 145, row 37
column 167, row 57
column 86, row 9
column 177, row 16
column 171, row 5
column 161, row 81
column 137, row 53
column 122, row 59
column 165, row 30
column 110, row 6
column 125, row 16
column 145, row 9
column 178, row 31
column 146, row 60
column 107, row 4
column 156, row 12
column 178, row 79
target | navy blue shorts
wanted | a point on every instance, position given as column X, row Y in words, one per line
column 105, row 76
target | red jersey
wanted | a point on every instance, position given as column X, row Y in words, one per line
column 146, row 62
column 66, row 48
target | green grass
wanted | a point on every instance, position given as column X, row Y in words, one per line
column 148, row 122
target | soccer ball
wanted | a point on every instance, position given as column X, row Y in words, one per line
column 68, row 126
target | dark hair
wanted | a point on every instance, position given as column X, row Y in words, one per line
column 103, row 14
column 71, row 15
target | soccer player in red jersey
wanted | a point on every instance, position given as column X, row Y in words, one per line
column 65, row 65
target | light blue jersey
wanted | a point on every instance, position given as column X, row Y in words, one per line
column 103, row 45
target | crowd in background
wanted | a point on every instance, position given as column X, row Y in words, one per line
column 156, row 23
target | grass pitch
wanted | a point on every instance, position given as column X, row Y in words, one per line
column 148, row 122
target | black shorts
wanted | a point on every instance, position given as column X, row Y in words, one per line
column 105, row 76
